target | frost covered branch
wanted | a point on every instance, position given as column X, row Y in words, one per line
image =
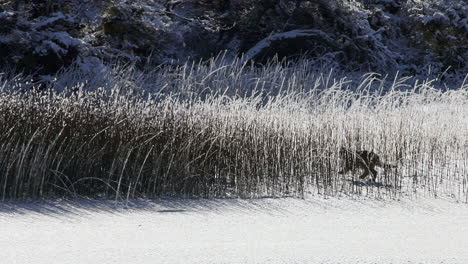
column 293, row 34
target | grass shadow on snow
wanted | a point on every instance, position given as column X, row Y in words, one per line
column 80, row 207
column 369, row 184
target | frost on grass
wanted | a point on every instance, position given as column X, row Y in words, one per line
column 229, row 130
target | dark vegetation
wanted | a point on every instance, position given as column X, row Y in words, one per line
column 368, row 35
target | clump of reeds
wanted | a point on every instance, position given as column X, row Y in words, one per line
column 236, row 130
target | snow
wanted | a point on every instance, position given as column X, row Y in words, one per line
column 47, row 45
column 266, row 42
column 52, row 41
column 49, row 20
column 6, row 14
column 64, row 39
column 437, row 17
column 286, row 230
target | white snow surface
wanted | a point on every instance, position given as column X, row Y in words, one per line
column 282, row 230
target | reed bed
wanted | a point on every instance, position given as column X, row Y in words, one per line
column 229, row 130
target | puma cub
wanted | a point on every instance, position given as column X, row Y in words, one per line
column 366, row 160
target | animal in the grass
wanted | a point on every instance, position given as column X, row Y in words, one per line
column 362, row 159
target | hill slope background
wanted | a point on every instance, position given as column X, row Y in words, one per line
column 413, row 37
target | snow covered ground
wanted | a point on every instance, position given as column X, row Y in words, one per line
column 287, row 230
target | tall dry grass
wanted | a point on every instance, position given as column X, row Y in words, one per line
column 229, row 130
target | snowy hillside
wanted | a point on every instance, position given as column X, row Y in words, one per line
column 414, row 37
